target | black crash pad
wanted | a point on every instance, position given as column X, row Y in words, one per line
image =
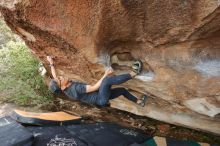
column 107, row 134
column 54, row 136
column 14, row 134
column 100, row 134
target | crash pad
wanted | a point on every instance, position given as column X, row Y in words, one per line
column 98, row 134
column 54, row 136
column 14, row 134
column 107, row 134
column 53, row 118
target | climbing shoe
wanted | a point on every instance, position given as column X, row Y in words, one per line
column 137, row 66
column 143, row 100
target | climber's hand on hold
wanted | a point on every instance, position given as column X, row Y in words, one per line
column 50, row 59
column 109, row 71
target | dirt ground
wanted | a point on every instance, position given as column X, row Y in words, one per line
column 93, row 114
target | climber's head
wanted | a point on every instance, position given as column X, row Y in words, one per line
column 59, row 84
column 54, row 87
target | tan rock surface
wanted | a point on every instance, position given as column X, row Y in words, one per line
column 178, row 41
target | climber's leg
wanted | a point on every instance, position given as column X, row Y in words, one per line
column 116, row 92
column 105, row 88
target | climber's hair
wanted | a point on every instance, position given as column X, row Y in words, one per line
column 54, row 88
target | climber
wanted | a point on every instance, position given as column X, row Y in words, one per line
column 99, row 93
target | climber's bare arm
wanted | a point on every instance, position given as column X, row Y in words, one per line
column 53, row 71
column 95, row 87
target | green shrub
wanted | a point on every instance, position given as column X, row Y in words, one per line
column 20, row 81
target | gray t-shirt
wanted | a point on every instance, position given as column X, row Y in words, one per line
column 77, row 91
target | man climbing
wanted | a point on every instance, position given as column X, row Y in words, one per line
column 99, row 93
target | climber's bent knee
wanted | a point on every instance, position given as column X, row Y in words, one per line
column 106, row 81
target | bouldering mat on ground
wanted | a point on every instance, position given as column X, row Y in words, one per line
column 53, row 118
column 54, row 136
column 14, row 134
column 100, row 134
column 107, row 134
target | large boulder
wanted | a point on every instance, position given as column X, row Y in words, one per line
column 178, row 41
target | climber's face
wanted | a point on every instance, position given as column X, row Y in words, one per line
column 62, row 82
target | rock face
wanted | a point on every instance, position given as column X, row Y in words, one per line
column 178, row 41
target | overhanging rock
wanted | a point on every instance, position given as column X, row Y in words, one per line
column 178, row 41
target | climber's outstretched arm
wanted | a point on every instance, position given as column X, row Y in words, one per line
column 53, row 71
column 95, row 87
